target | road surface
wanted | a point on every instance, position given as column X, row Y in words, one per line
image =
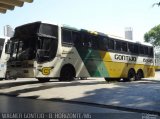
column 134, row 97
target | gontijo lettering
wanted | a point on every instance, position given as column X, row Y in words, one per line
column 125, row 58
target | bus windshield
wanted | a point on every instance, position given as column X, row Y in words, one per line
column 33, row 41
column 47, row 42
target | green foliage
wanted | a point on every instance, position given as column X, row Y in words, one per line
column 153, row 36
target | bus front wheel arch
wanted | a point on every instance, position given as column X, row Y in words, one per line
column 67, row 73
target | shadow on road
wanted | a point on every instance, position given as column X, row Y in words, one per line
column 127, row 96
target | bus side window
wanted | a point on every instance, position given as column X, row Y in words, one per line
column 95, row 42
column 76, row 38
column 111, row 44
column 141, row 50
column 136, row 48
column 124, row 46
column 150, row 51
column 66, row 37
column 130, row 48
column 86, row 38
column 118, row 45
column 146, row 50
column 104, row 44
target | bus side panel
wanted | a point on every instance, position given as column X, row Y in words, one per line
column 69, row 55
column 117, row 69
column 93, row 62
column 72, row 56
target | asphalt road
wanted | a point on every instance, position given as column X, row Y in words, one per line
column 93, row 95
column 13, row 107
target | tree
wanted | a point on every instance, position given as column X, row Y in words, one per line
column 158, row 4
column 153, row 36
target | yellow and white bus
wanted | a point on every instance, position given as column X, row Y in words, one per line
column 46, row 51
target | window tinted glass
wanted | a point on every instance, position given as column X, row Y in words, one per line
column 118, row 45
column 75, row 37
column 141, row 49
column 48, row 29
column 146, row 50
column 130, row 47
column 124, row 46
column 104, row 43
column 66, row 36
column 86, row 38
column 150, row 51
column 111, row 44
column 136, row 49
column 95, row 42
column 27, row 30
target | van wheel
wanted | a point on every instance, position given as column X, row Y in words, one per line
column 43, row 80
column 67, row 73
column 139, row 75
column 7, row 76
column 131, row 75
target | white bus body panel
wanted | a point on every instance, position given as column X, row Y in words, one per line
column 3, row 60
column 69, row 55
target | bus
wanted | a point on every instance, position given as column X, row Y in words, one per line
column 3, row 57
column 46, row 51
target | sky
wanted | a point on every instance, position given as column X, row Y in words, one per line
column 107, row 16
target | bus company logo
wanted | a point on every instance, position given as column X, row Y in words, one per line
column 125, row 58
column 46, row 70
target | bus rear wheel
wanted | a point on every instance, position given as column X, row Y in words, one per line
column 131, row 75
column 43, row 80
column 139, row 75
column 67, row 73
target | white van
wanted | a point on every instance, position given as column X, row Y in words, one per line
column 3, row 57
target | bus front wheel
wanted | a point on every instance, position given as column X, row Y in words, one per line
column 43, row 80
column 67, row 73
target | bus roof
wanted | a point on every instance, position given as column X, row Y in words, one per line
column 47, row 22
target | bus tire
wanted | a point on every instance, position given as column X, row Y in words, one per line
column 107, row 79
column 83, row 78
column 43, row 80
column 139, row 74
column 67, row 73
column 1, row 79
column 7, row 76
column 131, row 75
